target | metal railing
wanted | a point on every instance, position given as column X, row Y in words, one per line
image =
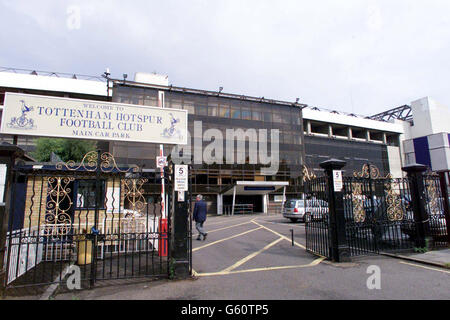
column 238, row 209
column 52, row 74
column 317, row 220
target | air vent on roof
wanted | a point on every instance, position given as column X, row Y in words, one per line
column 151, row 78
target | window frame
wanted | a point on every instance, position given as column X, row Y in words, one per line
column 76, row 187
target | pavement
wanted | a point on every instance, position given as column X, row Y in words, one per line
column 254, row 258
column 439, row 258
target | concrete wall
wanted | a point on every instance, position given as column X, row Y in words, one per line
column 395, row 162
column 427, row 140
column 430, row 117
column 432, row 150
column 439, row 151
column 47, row 83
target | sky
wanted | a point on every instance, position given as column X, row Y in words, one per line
column 356, row 56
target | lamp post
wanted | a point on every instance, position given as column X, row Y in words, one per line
column 106, row 75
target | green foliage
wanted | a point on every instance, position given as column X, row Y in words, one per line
column 172, row 269
column 420, row 250
column 66, row 149
column 425, row 249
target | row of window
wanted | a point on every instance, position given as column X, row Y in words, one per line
column 211, row 106
column 356, row 154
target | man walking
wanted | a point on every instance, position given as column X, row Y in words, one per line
column 200, row 217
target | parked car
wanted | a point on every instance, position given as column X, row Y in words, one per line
column 294, row 209
column 437, row 223
column 298, row 209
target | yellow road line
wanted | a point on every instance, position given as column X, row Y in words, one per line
column 221, row 240
column 235, row 225
column 282, row 224
column 251, row 256
column 224, row 220
column 424, row 267
column 280, row 235
column 222, row 273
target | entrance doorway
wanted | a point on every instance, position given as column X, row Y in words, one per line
column 250, row 196
column 245, row 203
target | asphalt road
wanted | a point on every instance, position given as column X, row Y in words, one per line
column 252, row 257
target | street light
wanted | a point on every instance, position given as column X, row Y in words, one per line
column 106, row 75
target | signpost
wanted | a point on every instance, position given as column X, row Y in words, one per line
column 161, row 162
column 163, row 224
column 181, row 227
column 337, row 180
column 181, row 177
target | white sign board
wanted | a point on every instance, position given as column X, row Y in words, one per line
column 337, row 180
column 181, row 177
column 161, row 162
column 34, row 115
column 2, row 181
column 180, row 196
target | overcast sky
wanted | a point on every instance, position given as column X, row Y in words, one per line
column 361, row 56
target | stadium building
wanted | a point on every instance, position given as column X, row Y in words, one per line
column 307, row 135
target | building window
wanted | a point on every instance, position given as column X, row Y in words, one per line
column 86, row 193
column 235, row 113
column 201, row 110
column 267, row 116
column 256, row 115
column 212, row 111
column 224, row 111
column 246, row 114
column 277, row 117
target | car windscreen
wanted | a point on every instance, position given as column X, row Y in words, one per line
column 292, row 203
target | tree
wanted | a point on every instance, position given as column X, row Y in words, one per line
column 66, row 149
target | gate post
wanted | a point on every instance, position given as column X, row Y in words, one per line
column 417, row 188
column 8, row 155
column 94, row 230
column 180, row 256
column 180, row 248
column 340, row 251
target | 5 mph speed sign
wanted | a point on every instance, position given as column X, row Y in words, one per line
column 181, row 177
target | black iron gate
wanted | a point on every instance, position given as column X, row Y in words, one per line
column 102, row 220
column 378, row 213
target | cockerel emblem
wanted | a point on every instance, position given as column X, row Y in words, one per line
column 172, row 131
column 22, row 122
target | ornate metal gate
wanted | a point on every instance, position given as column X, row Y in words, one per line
column 380, row 214
column 103, row 218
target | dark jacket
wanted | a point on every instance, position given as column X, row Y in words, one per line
column 200, row 211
